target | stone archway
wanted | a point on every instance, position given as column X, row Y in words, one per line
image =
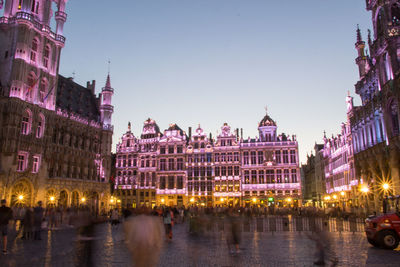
column 21, row 194
column 63, row 199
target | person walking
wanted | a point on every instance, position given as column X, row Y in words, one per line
column 5, row 216
column 37, row 220
column 28, row 224
column 167, row 218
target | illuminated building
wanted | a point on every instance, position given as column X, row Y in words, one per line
column 375, row 123
column 56, row 135
column 198, row 170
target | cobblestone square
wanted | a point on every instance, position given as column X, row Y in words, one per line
column 60, row 248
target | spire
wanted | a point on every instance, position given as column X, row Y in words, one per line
column 108, row 82
column 369, row 39
column 129, row 126
column 359, row 38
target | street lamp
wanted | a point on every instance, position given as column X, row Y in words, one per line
column 385, row 187
column 365, row 190
column 20, row 197
column 83, row 200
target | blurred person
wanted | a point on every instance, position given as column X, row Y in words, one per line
column 143, row 237
column 85, row 240
column 168, row 220
column 114, row 217
column 323, row 248
column 28, row 224
column 233, row 231
column 38, row 212
column 6, row 215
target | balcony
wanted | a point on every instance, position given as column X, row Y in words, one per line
column 23, row 17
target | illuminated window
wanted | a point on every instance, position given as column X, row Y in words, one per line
column 22, row 161
column 26, row 124
column 36, row 164
column 40, row 127
column 46, row 56
column 34, row 50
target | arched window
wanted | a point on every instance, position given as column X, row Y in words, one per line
column 26, row 124
column 42, row 90
column 396, row 14
column 34, row 49
column 46, row 56
column 40, row 127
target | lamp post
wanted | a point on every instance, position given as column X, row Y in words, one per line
column 365, row 190
column 385, row 187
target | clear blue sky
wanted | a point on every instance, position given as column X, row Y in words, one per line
column 216, row 61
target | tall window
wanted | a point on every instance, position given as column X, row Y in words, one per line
column 253, row 157
column 34, row 49
column 278, row 156
column 294, row 176
column 46, row 56
column 40, row 127
column 26, row 123
column 260, row 157
column 253, row 177
column 246, row 177
column 236, row 156
column 36, row 164
column 171, row 150
column 179, row 164
column 22, row 161
column 171, row 183
column 171, row 164
column 223, row 171
column 179, row 182
column 285, row 156
column 236, row 170
column 279, row 176
column 246, row 158
column 270, row 176
column 292, row 156
column 286, row 176
column 162, row 149
column 162, row 182
column 162, row 164
column 230, row 170
column 217, row 171
column 261, row 177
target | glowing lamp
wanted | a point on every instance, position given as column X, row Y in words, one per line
column 254, row 200
column 365, row 189
column 342, row 193
column 289, row 199
column 334, row 196
column 52, row 198
column 221, row 199
column 162, row 200
column 119, row 200
column 385, row 186
column 20, row 197
column 328, row 198
column 192, row 200
column 83, row 199
column 112, row 200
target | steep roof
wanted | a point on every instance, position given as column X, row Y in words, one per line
column 77, row 99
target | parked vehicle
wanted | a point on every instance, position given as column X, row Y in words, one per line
column 384, row 230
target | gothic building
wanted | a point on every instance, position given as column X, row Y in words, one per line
column 375, row 124
column 55, row 138
column 175, row 169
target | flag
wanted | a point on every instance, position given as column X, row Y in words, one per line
column 33, row 85
column 51, row 90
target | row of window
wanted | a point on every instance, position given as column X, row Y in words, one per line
column 22, row 162
column 253, row 158
column 26, row 124
column 270, row 176
column 171, row 149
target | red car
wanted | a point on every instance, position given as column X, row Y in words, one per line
column 384, row 230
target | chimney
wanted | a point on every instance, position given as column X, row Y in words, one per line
column 237, row 134
column 190, row 133
column 91, row 86
column 241, row 133
column 210, row 137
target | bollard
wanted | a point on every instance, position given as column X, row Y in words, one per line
column 299, row 223
column 272, row 224
column 339, row 224
column 285, row 224
column 260, row 224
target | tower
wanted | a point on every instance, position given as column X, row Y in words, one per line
column 267, row 128
column 361, row 60
column 106, row 108
column 30, row 50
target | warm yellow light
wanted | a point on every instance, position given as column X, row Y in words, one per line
column 52, row 198
column 342, row 193
column 385, row 186
column 254, row 199
column 112, row 200
column 119, row 200
column 83, row 199
column 365, row 189
column 221, row 199
column 203, row 204
column 328, row 198
column 162, row 200
column 192, row 200
column 20, row 197
column 334, row 196
column 289, row 199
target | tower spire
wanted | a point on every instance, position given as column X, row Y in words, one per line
column 361, row 60
column 359, row 38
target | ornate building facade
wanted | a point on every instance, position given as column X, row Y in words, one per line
column 55, row 138
column 375, row 124
column 197, row 169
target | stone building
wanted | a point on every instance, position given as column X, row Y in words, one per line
column 375, row 124
column 55, row 138
column 175, row 169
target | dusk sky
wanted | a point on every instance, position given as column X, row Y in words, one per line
column 216, row 61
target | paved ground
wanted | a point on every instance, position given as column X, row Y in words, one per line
column 60, row 248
